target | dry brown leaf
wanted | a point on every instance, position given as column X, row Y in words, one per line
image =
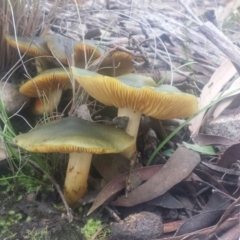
column 209, row 139
column 212, row 212
column 226, row 102
column 210, row 91
column 119, row 183
column 230, row 156
column 178, row 167
column 167, row 200
column 226, row 219
column 232, row 233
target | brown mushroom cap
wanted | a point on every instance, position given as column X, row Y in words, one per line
column 87, row 48
column 47, row 81
column 72, row 134
column 118, row 64
column 138, row 93
column 35, row 46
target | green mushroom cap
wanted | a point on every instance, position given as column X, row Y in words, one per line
column 72, row 134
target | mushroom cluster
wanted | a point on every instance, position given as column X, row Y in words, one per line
column 131, row 93
column 48, row 85
column 56, row 50
column 135, row 95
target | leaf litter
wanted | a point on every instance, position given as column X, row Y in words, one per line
column 230, row 156
column 119, row 183
column 211, row 90
column 178, row 167
column 212, row 211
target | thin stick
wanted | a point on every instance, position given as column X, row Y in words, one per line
column 190, row 12
column 96, row 233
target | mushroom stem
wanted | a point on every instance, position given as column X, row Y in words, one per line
column 41, row 65
column 134, row 120
column 132, row 127
column 48, row 104
column 76, row 177
column 54, row 98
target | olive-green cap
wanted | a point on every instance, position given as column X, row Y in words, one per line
column 72, row 134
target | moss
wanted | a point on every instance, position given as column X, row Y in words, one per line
column 92, row 226
column 11, row 218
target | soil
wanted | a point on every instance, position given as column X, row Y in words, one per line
column 27, row 216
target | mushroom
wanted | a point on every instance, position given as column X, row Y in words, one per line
column 135, row 94
column 86, row 52
column 117, row 64
column 63, row 48
column 33, row 47
column 80, row 139
column 48, row 84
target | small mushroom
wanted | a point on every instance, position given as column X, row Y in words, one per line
column 40, row 106
column 134, row 95
column 33, row 47
column 119, row 63
column 48, row 84
column 63, row 48
column 80, row 139
column 86, row 52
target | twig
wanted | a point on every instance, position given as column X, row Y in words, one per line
column 113, row 214
column 68, row 209
column 174, row 69
column 213, row 34
column 96, row 233
column 189, row 11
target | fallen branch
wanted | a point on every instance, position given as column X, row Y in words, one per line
column 213, row 34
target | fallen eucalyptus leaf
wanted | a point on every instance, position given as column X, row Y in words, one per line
column 178, row 167
column 221, row 106
column 230, row 156
column 210, row 91
column 212, row 212
column 209, row 139
column 119, row 183
column 220, row 171
column 167, row 200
